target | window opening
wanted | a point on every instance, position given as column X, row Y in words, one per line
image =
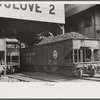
column 14, row 58
column 86, row 54
column 76, row 55
column 96, row 54
column 87, row 21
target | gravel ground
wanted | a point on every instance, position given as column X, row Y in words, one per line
column 61, row 78
column 7, row 79
column 46, row 77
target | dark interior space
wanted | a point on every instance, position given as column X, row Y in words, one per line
column 73, row 22
column 26, row 31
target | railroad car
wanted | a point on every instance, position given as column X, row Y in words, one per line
column 67, row 55
column 9, row 55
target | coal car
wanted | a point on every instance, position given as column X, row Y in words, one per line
column 71, row 54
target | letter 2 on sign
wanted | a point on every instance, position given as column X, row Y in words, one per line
column 55, row 54
column 51, row 11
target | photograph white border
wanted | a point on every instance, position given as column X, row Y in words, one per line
column 60, row 90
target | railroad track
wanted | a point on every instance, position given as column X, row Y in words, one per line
column 39, row 78
column 96, row 78
column 25, row 78
column 21, row 79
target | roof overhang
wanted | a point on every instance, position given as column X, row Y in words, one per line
column 71, row 9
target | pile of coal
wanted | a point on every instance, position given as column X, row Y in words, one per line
column 61, row 37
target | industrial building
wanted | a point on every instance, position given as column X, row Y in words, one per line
column 83, row 18
column 29, row 20
column 80, row 18
column 32, row 23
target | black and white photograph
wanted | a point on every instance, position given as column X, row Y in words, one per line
column 50, row 45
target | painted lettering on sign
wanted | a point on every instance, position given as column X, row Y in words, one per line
column 52, row 9
column 38, row 12
column 24, row 7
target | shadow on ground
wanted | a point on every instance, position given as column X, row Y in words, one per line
column 53, row 77
column 50, row 77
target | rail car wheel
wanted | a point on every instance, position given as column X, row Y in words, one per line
column 38, row 68
column 12, row 70
column 80, row 73
column 35, row 68
column 46, row 68
column 61, row 70
column 93, row 72
column 53, row 69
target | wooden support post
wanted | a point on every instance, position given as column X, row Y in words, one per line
column 73, row 56
column 92, row 55
column 85, row 55
column 77, row 56
column 81, row 55
column 63, row 28
column 5, row 58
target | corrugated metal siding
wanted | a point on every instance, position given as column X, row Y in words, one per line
column 49, row 54
column 67, row 49
column 43, row 55
column 61, row 54
column 45, row 58
column 39, row 55
column 33, row 50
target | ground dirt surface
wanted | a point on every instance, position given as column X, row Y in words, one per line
column 46, row 77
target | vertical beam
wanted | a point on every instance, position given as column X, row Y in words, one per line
column 92, row 55
column 5, row 56
column 85, row 55
column 81, row 55
column 77, row 56
column 63, row 28
column 19, row 53
column 73, row 55
column 5, row 52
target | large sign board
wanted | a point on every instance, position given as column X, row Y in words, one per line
column 37, row 12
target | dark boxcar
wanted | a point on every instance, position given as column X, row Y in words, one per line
column 74, row 56
column 53, row 54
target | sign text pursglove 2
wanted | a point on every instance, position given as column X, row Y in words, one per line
column 38, row 12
